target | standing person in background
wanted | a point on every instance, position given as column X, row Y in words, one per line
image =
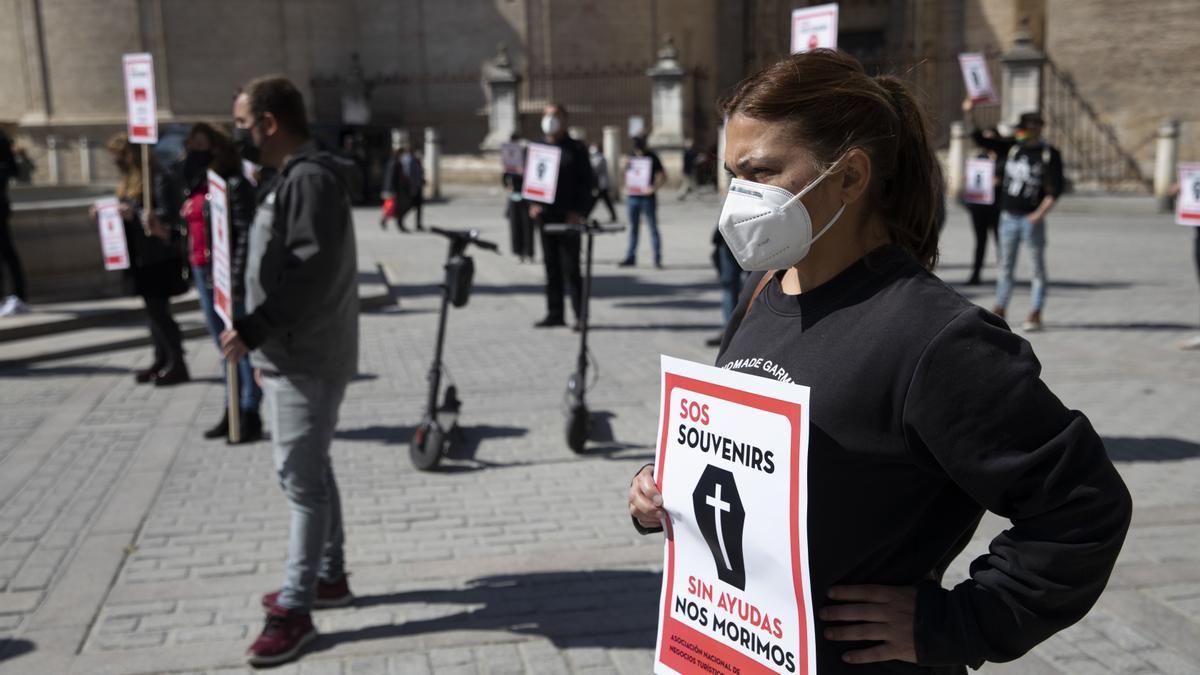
column 985, row 218
column 647, row 205
column 397, row 195
column 207, row 148
column 1194, row 342
column 520, row 226
column 730, row 275
column 603, row 189
column 302, row 323
column 1032, row 180
column 156, row 259
column 10, row 262
column 414, row 176
column 572, row 203
column 689, row 169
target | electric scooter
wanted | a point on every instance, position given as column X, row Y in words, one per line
column 579, row 418
column 435, row 435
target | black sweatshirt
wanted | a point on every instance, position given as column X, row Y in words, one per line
column 576, row 180
column 1028, row 173
column 926, row 410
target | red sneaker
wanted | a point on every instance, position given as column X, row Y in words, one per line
column 283, row 637
column 330, row 594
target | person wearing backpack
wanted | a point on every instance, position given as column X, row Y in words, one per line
column 1031, row 180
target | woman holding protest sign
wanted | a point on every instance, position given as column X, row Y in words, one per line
column 925, row 409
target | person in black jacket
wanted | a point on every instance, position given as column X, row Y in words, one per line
column 985, row 218
column 157, row 264
column 925, row 409
column 209, row 148
column 520, row 227
column 14, row 302
column 572, row 201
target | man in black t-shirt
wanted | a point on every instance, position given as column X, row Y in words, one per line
column 645, row 204
column 1031, row 181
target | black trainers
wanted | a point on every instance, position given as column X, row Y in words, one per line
column 628, row 262
column 220, row 430
column 252, row 427
column 550, row 322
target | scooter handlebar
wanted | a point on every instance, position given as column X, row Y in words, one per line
column 467, row 236
column 592, row 226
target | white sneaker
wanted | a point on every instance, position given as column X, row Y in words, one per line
column 10, row 306
column 19, row 306
column 1192, row 344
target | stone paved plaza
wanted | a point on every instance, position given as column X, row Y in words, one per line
column 129, row 545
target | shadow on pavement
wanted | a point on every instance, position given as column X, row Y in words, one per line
column 33, row 370
column 1117, row 325
column 11, row 649
column 1151, row 449
column 607, row 609
column 462, row 453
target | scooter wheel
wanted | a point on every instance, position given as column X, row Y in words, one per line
column 428, row 441
column 579, row 423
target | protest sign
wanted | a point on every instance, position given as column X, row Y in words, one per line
column 981, row 181
column 113, row 245
column 222, row 277
column 814, row 27
column 140, row 103
column 541, row 173
column 732, row 465
column 1187, row 205
column 639, row 176
column 977, row 79
column 512, row 157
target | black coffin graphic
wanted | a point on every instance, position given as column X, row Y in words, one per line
column 722, row 519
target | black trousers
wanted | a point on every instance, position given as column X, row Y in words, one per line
column 164, row 331
column 9, row 260
column 520, row 227
column 560, row 254
column 986, row 222
column 604, row 196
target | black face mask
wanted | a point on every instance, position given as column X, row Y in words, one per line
column 195, row 166
column 245, row 145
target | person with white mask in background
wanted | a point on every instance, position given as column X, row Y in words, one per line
column 925, row 409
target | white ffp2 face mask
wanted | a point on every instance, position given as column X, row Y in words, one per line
column 767, row 227
column 551, row 125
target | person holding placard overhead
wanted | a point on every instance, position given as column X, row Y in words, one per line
column 644, row 175
column 985, row 213
column 1031, row 180
column 926, row 410
column 572, row 202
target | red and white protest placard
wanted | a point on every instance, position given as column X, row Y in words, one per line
column 639, row 176
column 541, row 172
column 218, row 220
column 814, row 27
column 977, row 79
column 732, row 465
column 980, row 187
column 1187, row 205
column 113, row 245
column 512, row 158
column 140, row 99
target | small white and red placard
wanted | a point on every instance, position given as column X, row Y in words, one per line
column 512, row 158
column 977, row 79
column 541, row 173
column 140, row 102
column 639, row 176
column 980, row 187
column 218, row 220
column 732, row 466
column 113, row 245
column 1187, row 205
column 814, row 27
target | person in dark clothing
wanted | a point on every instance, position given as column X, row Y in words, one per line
column 414, row 176
column 1031, row 174
column 572, row 201
column 209, row 148
column 985, row 218
column 925, row 408
column 397, row 195
column 10, row 262
column 603, row 189
column 520, row 225
column 730, row 275
column 157, row 264
column 645, row 204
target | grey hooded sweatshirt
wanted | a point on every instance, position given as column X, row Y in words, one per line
column 302, row 272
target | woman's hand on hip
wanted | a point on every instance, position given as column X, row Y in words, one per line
column 881, row 614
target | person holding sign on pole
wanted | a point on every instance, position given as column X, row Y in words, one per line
column 1031, row 180
column 644, row 175
column 925, row 409
column 302, row 323
column 979, row 195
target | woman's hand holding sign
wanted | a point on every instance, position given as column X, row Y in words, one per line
column 645, row 501
column 876, row 614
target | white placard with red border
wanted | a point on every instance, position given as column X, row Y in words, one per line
column 977, row 79
column 140, row 99
column 732, row 465
column 639, row 176
column 814, row 27
column 218, row 221
column 541, row 172
column 980, row 187
column 1187, row 205
column 512, row 158
column 113, row 245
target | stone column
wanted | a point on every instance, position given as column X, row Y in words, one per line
column 85, row 160
column 612, row 155
column 503, row 111
column 956, row 160
column 1021, row 86
column 1166, row 155
column 52, row 169
column 433, row 160
column 667, row 110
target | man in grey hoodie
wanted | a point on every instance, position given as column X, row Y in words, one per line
column 302, row 329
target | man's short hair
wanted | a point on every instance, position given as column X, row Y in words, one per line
column 559, row 108
column 277, row 95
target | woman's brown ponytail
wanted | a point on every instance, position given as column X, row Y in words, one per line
column 909, row 202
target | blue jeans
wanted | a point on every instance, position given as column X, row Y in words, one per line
column 637, row 205
column 731, row 280
column 249, row 393
column 303, row 412
column 1013, row 230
